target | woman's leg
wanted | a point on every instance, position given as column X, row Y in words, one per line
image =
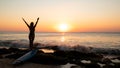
column 30, row 43
column 31, row 40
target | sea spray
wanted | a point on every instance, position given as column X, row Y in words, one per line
column 80, row 48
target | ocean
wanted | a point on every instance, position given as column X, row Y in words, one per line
column 99, row 42
column 102, row 40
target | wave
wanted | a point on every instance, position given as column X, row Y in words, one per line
column 80, row 48
column 14, row 43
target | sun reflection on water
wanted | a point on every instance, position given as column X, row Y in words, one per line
column 62, row 39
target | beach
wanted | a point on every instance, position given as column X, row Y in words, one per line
column 59, row 33
column 58, row 59
column 7, row 58
column 58, row 50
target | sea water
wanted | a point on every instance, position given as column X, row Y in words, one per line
column 99, row 40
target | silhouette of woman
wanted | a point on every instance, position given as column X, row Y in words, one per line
column 32, row 32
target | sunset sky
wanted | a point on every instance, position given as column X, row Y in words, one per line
column 72, row 15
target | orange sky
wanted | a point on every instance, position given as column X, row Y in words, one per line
column 80, row 15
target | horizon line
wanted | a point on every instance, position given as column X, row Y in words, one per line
column 57, row 32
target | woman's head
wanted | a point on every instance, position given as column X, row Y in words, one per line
column 31, row 24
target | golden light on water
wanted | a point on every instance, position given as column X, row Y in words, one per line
column 62, row 39
column 47, row 50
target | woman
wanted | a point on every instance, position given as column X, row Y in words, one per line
column 32, row 32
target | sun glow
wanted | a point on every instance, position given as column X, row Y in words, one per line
column 63, row 27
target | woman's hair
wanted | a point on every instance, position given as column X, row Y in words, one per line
column 31, row 24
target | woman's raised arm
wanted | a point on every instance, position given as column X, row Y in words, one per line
column 36, row 22
column 25, row 22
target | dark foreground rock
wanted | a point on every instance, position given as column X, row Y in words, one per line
column 62, row 57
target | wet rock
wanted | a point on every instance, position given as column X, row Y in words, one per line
column 115, row 60
column 117, row 65
column 60, row 53
column 106, row 61
column 48, row 59
column 12, row 49
column 92, row 65
column 118, row 58
column 4, row 51
column 13, row 56
column 1, row 57
column 109, row 66
column 75, row 67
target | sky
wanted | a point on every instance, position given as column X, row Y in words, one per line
column 78, row 15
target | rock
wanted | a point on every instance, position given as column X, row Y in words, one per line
column 48, row 59
column 1, row 57
column 118, row 57
column 106, row 61
column 92, row 65
column 75, row 67
column 117, row 65
column 12, row 49
column 109, row 66
column 4, row 51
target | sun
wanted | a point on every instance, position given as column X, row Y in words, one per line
column 63, row 27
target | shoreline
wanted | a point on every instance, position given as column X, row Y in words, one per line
column 57, row 59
